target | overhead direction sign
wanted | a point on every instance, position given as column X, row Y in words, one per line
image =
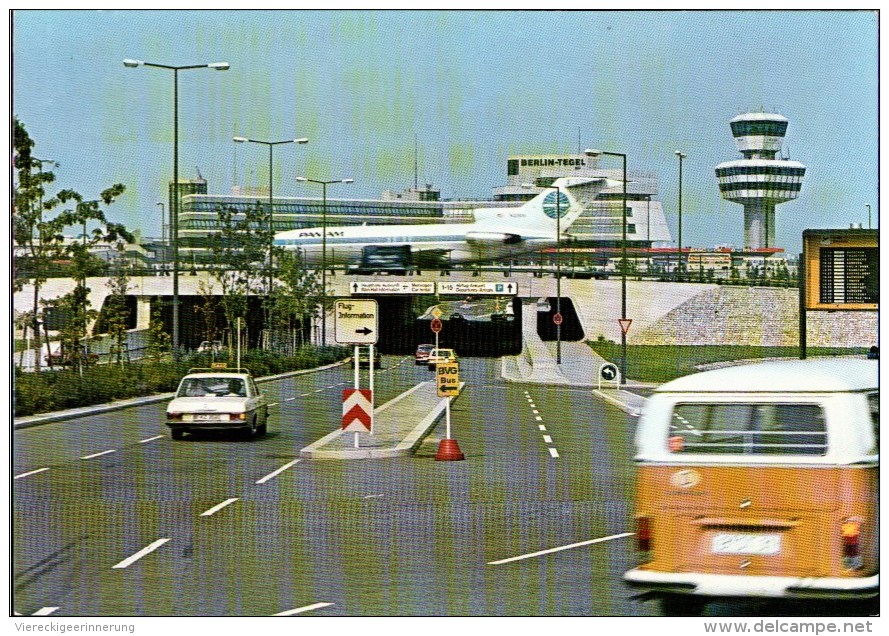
column 357, row 321
column 358, row 410
column 447, row 376
column 468, row 288
column 391, row 287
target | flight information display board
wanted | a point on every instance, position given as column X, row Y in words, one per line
column 849, row 275
column 842, row 269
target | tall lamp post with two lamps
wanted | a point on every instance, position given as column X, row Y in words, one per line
column 324, row 185
column 271, row 145
column 174, row 213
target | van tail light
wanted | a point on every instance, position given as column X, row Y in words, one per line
column 850, row 531
column 237, row 416
column 174, row 416
column 643, row 538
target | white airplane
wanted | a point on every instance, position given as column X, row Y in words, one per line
column 496, row 233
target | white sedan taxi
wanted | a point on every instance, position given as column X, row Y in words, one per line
column 218, row 400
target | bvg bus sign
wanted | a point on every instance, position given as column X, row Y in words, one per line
column 447, row 376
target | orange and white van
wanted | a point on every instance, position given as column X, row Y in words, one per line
column 759, row 480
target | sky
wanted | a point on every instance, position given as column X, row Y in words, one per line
column 472, row 87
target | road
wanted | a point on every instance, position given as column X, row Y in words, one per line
column 113, row 518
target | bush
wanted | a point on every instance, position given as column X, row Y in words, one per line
column 64, row 389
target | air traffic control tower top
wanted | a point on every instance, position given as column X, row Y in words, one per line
column 759, row 181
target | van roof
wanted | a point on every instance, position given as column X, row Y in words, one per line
column 785, row 376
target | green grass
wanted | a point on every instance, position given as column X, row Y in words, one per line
column 661, row 363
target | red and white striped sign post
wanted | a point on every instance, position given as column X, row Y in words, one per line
column 358, row 411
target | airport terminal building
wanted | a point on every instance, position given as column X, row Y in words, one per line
column 600, row 224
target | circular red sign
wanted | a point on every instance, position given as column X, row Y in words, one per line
column 436, row 325
column 557, row 319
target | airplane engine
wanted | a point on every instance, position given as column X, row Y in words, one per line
column 497, row 238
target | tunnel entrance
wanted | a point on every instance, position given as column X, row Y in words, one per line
column 467, row 327
column 572, row 330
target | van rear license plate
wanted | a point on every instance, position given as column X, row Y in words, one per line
column 744, row 543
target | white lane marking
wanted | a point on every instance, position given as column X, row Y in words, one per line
column 372, row 496
column 560, row 548
column 547, row 439
column 290, row 399
column 150, row 439
column 141, row 553
column 535, row 411
column 33, row 472
column 274, row 404
column 278, row 472
column 304, row 395
column 319, row 390
column 537, row 418
column 99, row 454
column 553, row 452
column 541, row 427
column 300, row 610
column 45, row 611
column 219, row 506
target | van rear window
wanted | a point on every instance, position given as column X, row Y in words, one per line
column 748, row 429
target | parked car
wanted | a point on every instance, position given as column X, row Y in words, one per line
column 421, row 356
column 364, row 359
column 210, row 346
column 61, row 357
column 441, row 355
column 220, row 400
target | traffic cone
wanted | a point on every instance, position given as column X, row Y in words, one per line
column 449, row 451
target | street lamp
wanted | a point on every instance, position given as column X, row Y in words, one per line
column 324, row 185
column 271, row 145
column 681, row 156
column 867, row 205
column 174, row 213
column 163, row 239
column 623, row 269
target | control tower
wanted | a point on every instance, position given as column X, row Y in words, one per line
column 759, row 181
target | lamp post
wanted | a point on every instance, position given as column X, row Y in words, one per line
column 324, row 185
column 271, row 145
column 174, row 213
column 623, row 269
column 681, row 156
column 867, row 205
column 163, row 238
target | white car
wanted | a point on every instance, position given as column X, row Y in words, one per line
column 220, row 400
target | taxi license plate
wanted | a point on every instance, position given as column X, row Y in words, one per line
column 204, row 417
column 742, row 543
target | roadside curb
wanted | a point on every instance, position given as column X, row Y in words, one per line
column 624, row 406
column 98, row 409
column 405, row 447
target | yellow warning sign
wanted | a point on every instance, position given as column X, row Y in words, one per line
column 447, row 376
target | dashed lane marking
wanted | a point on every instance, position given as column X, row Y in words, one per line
column 99, row 454
column 541, row 427
column 560, row 548
column 277, row 472
column 33, row 472
column 219, row 507
column 553, row 452
column 150, row 439
column 300, row 610
column 547, row 439
column 141, row 553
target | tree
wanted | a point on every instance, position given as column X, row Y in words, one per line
column 159, row 341
column 116, row 307
column 207, row 311
column 240, row 259
column 297, row 298
column 28, row 227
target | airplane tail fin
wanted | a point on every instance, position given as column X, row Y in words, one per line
column 564, row 200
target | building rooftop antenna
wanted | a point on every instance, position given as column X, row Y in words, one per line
column 416, row 153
